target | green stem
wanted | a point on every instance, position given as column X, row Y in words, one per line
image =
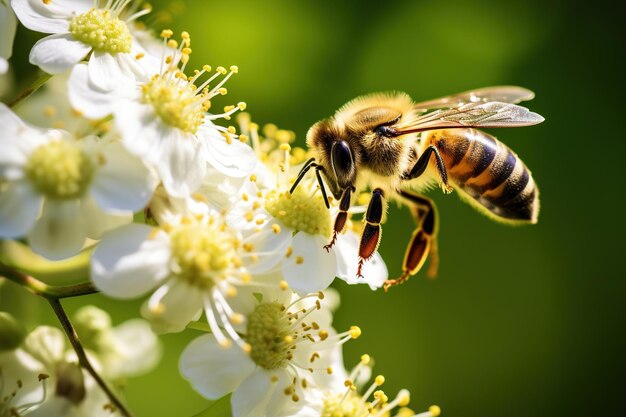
column 44, row 290
column 55, row 303
column 36, row 85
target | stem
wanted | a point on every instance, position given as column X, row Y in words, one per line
column 55, row 303
column 36, row 85
column 44, row 290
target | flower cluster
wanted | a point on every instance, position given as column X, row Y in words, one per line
column 132, row 164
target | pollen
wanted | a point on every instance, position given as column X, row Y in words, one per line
column 60, row 170
column 270, row 336
column 434, row 410
column 201, row 253
column 101, row 30
column 300, row 211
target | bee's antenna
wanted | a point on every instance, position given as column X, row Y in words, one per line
column 305, row 168
column 321, row 183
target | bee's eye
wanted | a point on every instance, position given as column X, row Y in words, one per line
column 385, row 130
column 342, row 161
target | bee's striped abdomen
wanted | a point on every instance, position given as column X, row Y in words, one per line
column 489, row 172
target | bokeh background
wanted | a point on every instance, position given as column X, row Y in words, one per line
column 525, row 321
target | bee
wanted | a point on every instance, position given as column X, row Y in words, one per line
column 397, row 148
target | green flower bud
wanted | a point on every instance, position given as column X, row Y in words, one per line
column 12, row 333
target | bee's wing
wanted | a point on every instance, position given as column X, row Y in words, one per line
column 479, row 114
column 501, row 93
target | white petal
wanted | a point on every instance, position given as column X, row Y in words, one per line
column 183, row 165
column 174, row 305
column 53, row 17
column 98, row 221
column 19, row 208
column 212, row 370
column 138, row 348
column 374, row 270
column 19, row 365
column 129, row 261
column 8, row 24
column 60, row 232
column 123, row 182
column 4, row 65
column 235, row 159
column 54, row 406
column 259, row 396
column 310, row 268
column 91, row 101
column 58, row 53
column 269, row 248
column 106, row 71
column 46, row 344
column 138, row 124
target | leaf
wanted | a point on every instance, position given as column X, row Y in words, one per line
column 219, row 408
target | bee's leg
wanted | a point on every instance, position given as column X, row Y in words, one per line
column 422, row 163
column 370, row 237
column 342, row 217
column 424, row 240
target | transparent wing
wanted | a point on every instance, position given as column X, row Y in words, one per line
column 501, row 93
column 478, row 114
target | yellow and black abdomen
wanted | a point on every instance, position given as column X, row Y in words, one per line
column 492, row 175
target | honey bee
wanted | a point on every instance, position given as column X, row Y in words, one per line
column 396, row 148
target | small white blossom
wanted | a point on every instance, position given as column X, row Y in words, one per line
column 58, row 190
column 288, row 348
column 96, row 30
column 163, row 118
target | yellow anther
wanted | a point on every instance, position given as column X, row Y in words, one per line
column 249, row 216
column 234, row 69
column 232, row 130
column 299, row 260
column 274, row 378
column 184, row 58
column 365, row 359
column 404, row 398
column 236, row 318
column 253, row 177
column 47, row 1
column 254, row 126
column 270, row 129
column 295, row 398
column 231, row 292
column 225, row 343
column 185, row 35
column 245, row 197
column 348, row 383
column 288, row 339
column 434, row 410
column 329, row 370
column 168, row 60
column 323, row 334
column 283, row 285
column 260, row 222
column 276, row 228
column 221, row 70
column 246, row 348
column 320, row 295
column 166, row 33
column 207, row 68
column 245, row 277
column 284, row 136
column 223, row 91
column 314, row 356
column 284, row 147
column 242, row 105
column 49, row 111
column 248, row 247
column 172, row 43
column 355, row 331
column 379, row 380
column 186, row 51
column 139, row 55
column 243, row 138
column 288, row 252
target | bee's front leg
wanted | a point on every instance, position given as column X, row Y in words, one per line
column 341, row 220
column 370, row 237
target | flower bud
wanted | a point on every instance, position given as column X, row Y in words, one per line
column 12, row 333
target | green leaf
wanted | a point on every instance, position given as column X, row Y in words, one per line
column 219, row 408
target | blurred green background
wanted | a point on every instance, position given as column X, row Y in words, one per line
column 523, row 321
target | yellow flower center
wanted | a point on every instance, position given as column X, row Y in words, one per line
column 270, row 336
column 201, row 253
column 102, row 31
column 300, row 211
column 175, row 102
column 335, row 405
column 60, row 170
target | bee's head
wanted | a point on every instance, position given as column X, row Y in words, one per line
column 335, row 153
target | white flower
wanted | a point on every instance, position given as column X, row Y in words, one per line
column 8, row 24
column 58, row 191
column 352, row 400
column 193, row 264
column 96, row 30
column 289, row 348
column 293, row 229
column 163, row 119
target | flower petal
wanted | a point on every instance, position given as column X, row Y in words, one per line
column 58, row 53
column 123, row 182
column 138, row 347
column 173, row 306
column 268, row 247
column 309, row 268
column 106, row 71
column 48, row 17
column 91, row 101
column 235, row 159
column 98, row 221
column 374, row 269
column 19, row 208
column 183, row 165
column 259, row 396
column 8, row 23
column 212, row 370
column 130, row 261
column 60, row 232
